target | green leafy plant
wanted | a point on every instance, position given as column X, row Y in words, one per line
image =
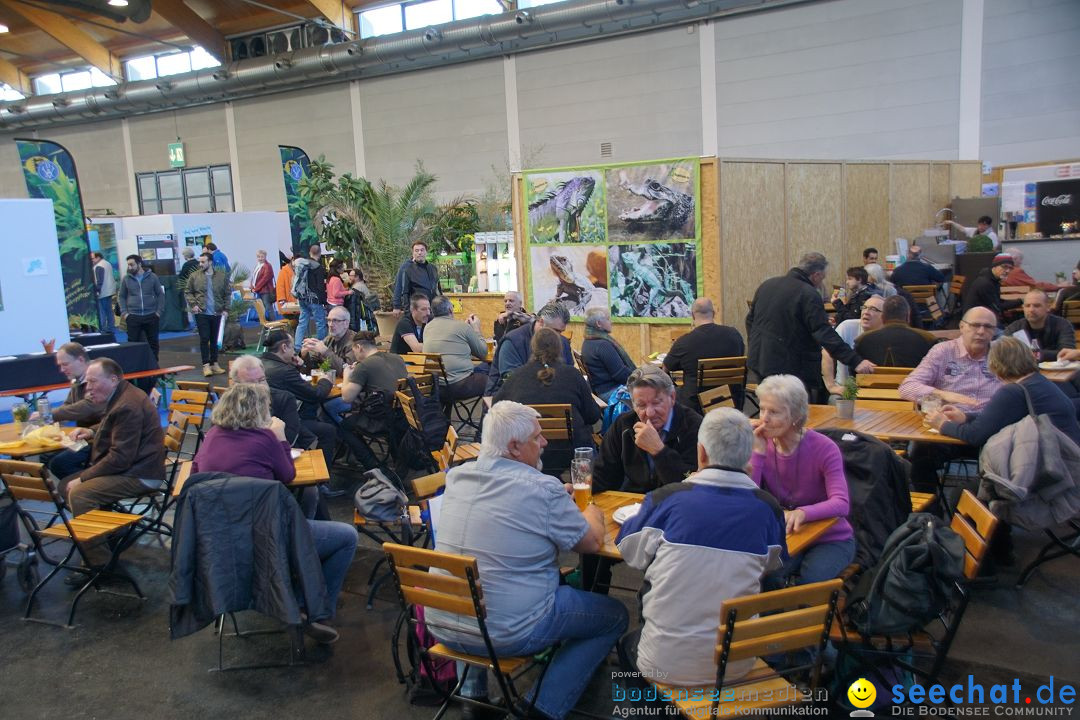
column 326, row 365
column 851, row 389
column 374, row 225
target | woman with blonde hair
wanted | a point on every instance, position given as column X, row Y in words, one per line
column 1014, row 364
column 804, row 471
column 247, row 441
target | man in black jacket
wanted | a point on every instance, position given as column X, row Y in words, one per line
column 1052, row 333
column 706, row 340
column 416, row 275
column 897, row 344
column 985, row 289
column 787, row 328
column 652, row 445
column 282, row 366
column 916, row 271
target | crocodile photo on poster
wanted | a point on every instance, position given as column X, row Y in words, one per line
column 574, row 277
column 566, row 207
column 656, row 280
column 652, row 202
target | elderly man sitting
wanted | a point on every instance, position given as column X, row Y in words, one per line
column 458, row 342
column 675, row 535
column 72, row 360
column 514, row 519
column 609, row 365
column 336, row 347
column 954, row 372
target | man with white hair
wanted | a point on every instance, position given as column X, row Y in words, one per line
column 336, row 347
column 1019, row 277
column 675, row 535
column 515, row 520
column 249, row 369
column 512, row 317
column 609, row 365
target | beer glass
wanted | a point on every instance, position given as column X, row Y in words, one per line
column 581, row 476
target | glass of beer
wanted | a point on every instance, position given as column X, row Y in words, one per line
column 581, row 476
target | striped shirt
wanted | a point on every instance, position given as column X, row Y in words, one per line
column 948, row 366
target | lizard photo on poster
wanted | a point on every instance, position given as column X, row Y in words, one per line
column 651, row 202
column 656, row 280
column 574, row 276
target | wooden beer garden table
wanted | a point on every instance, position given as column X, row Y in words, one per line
column 310, row 470
column 612, row 500
column 887, row 425
column 9, row 433
column 1060, row 376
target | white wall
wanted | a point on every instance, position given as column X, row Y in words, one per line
column 844, row 79
column 1031, row 81
column 34, row 306
column 238, row 235
column 875, row 79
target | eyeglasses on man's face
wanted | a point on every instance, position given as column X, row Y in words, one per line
column 980, row 326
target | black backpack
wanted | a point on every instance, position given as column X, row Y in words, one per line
column 920, row 565
column 414, row 450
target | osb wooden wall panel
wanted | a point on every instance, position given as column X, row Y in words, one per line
column 752, row 230
column 909, row 192
column 939, row 187
column 710, row 233
column 487, row 306
column 866, row 209
column 965, row 179
column 814, row 207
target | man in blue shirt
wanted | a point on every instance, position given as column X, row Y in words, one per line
column 504, row 511
column 916, row 271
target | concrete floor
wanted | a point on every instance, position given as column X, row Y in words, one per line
column 119, row 662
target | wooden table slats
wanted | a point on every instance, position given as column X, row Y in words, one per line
column 8, row 433
column 610, row 501
column 900, row 425
column 310, row 470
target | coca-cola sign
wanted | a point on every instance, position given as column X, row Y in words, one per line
column 1057, row 201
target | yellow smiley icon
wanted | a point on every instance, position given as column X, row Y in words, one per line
column 862, row 693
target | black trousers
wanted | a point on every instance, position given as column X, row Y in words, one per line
column 207, row 326
column 144, row 328
column 928, row 458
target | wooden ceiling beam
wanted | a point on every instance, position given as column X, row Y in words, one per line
column 14, row 77
column 334, row 11
column 71, row 36
column 193, row 26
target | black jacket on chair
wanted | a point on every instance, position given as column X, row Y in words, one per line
column 877, row 481
column 241, row 543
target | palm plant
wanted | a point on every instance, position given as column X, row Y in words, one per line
column 373, row 225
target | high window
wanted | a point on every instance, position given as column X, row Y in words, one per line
column 399, row 17
column 193, row 190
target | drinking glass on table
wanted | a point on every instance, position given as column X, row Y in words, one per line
column 930, row 404
column 581, row 468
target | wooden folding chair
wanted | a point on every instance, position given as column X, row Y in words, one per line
column 1070, row 309
column 579, row 362
column 266, row 325
column 926, row 296
column 769, row 623
column 455, row 589
column 717, row 397
column 31, row 481
column 973, row 522
column 454, row 451
column 192, row 404
column 725, row 372
column 883, row 377
column 462, row 410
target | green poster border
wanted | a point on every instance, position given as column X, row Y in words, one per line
column 602, row 169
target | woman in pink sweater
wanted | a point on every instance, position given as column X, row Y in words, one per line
column 804, row 471
column 336, row 290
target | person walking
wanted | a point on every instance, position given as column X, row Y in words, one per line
column 262, row 283
column 207, row 295
column 105, row 282
column 141, row 299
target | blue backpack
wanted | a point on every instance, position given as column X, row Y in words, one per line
column 618, row 402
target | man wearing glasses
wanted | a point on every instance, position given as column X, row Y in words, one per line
column 955, row 372
column 337, row 346
column 870, row 319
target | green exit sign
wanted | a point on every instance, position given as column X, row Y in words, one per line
column 176, row 154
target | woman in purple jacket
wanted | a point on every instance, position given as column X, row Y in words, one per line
column 804, row 471
column 247, row 441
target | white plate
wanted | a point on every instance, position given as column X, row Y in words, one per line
column 1060, row 365
column 625, row 513
column 296, row 453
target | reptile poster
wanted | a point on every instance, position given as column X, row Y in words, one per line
column 49, row 172
column 643, row 220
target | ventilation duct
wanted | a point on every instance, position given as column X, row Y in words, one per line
column 483, row 37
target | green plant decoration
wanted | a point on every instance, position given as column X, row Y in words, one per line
column 851, row 389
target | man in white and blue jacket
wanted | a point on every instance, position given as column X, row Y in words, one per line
column 700, row 542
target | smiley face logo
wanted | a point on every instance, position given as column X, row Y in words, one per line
column 862, row 693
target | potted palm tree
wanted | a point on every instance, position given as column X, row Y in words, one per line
column 845, row 406
column 373, row 225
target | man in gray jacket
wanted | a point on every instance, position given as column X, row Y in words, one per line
column 141, row 301
column 105, row 283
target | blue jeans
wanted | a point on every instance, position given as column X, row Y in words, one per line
column 588, row 626
column 818, row 563
column 310, row 311
column 105, row 313
column 336, row 544
column 69, row 462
